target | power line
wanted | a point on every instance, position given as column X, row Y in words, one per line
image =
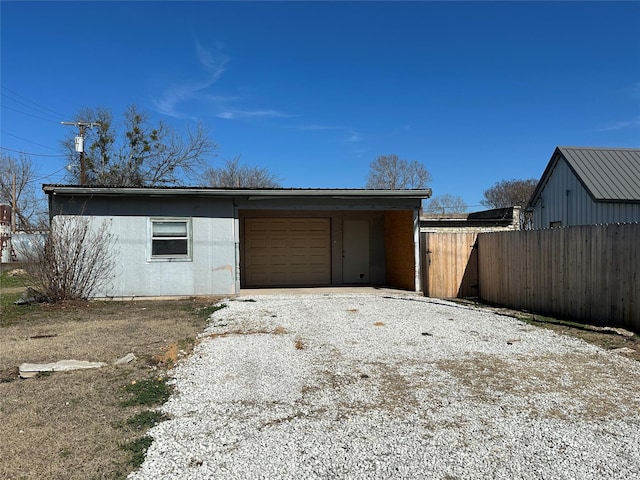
column 47, row 176
column 32, row 154
column 29, row 114
column 28, row 106
column 26, row 140
column 80, row 144
column 42, row 107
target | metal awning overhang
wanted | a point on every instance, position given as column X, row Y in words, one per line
column 249, row 194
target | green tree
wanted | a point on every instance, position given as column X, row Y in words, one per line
column 234, row 175
column 389, row 172
column 509, row 193
column 142, row 154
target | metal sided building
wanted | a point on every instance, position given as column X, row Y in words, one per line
column 588, row 186
column 180, row 241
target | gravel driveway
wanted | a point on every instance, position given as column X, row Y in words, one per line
column 393, row 385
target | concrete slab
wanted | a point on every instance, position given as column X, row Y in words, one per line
column 327, row 291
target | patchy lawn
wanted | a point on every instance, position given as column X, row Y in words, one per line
column 86, row 424
column 608, row 341
column 91, row 424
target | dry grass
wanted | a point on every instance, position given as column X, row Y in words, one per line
column 581, row 385
column 608, row 341
column 72, row 425
column 276, row 331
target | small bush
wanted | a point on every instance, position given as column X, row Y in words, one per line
column 138, row 449
column 146, row 419
column 75, row 259
column 206, row 312
column 150, row 392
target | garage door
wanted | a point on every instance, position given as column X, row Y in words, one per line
column 287, row 251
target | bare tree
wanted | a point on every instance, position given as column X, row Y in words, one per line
column 75, row 259
column 234, row 175
column 30, row 209
column 390, row 172
column 446, row 203
column 509, row 193
column 143, row 155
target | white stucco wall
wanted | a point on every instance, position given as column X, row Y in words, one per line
column 210, row 271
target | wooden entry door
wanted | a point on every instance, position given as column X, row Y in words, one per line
column 355, row 251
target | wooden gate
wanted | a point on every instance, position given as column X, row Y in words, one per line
column 449, row 265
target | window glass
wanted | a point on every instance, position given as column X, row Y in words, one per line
column 166, row 247
column 170, row 239
column 169, row 229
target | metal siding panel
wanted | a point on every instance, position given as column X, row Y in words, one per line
column 554, row 197
column 581, row 205
column 578, row 208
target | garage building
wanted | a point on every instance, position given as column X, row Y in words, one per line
column 204, row 241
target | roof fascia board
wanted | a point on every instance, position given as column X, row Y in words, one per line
column 251, row 193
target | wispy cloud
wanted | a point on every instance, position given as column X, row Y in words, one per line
column 213, row 62
column 353, row 137
column 235, row 114
column 634, row 93
column 620, row 125
column 316, row 128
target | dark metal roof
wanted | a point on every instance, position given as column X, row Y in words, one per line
column 497, row 217
column 608, row 174
column 236, row 192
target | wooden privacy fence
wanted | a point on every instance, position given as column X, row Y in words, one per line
column 449, row 265
column 586, row 273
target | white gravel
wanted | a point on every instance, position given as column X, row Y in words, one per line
column 390, row 386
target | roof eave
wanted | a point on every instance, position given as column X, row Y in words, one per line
column 253, row 193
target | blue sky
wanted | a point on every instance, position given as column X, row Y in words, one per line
column 315, row 91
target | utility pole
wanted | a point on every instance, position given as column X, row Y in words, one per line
column 13, row 204
column 80, row 145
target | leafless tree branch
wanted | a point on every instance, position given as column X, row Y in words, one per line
column 75, row 259
column 390, row 172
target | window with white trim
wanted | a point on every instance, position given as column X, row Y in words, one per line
column 169, row 239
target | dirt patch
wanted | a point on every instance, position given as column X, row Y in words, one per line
column 607, row 340
column 275, row 331
column 72, row 424
column 586, row 386
column 168, row 356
